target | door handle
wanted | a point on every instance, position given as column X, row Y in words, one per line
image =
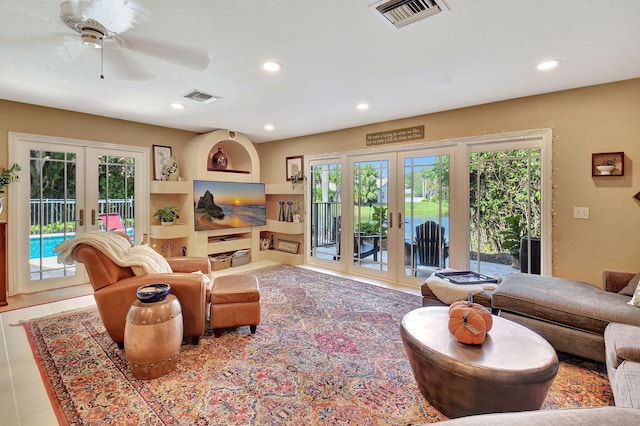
column 93, row 217
column 399, row 220
column 391, row 221
column 81, row 217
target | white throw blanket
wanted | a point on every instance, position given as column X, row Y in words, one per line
column 449, row 292
column 141, row 259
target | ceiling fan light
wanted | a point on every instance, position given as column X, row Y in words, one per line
column 92, row 37
column 548, row 65
column 271, row 66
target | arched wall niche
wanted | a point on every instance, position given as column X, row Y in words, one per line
column 243, row 164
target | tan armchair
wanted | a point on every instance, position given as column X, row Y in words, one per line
column 115, row 289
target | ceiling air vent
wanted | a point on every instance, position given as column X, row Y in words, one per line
column 202, row 97
column 404, row 12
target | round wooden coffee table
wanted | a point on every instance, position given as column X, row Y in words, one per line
column 511, row 371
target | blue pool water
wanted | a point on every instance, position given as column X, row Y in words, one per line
column 48, row 244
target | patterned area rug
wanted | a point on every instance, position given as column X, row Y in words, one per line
column 328, row 351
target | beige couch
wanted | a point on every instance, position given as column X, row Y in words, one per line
column 569, row 314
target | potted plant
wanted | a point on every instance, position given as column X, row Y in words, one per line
column 166, row 215
column 8, row 176
column 512, row 238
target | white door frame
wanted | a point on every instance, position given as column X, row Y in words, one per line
column 19, row 153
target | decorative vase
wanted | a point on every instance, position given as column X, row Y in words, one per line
column 289, row 211
column 152, row 293
column 281, row 216
column 219, row 160
column 605, row 170
column 296, row 218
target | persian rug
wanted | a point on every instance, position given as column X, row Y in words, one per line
column 328, row 351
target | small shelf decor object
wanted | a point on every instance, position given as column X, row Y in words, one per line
column 219, row 160
column 288, row 246
column 607, row 164
column 295, row 168
column 161, row 157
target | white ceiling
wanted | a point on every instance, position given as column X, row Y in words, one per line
column 334, row 53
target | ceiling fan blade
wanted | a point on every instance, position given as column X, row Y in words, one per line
column 189, row 57
column 124, row 66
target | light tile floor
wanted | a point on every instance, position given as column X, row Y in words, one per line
column 23, row 397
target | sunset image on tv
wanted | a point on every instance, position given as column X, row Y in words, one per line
column 219, row 205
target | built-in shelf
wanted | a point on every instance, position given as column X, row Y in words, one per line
column 215, row 246
column 285, row 227
column 246, row 172
column 170, row 187
column 179, row 230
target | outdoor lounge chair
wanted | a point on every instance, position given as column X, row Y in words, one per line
column 111, row 222
column 430, row 247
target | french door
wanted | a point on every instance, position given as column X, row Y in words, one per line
column 70, row 187
column 401, row 215
column 366, row 219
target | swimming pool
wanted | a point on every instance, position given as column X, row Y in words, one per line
column 49, row 242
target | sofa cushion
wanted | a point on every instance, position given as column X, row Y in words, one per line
column 562, row 301
column 626, row 387
column 630, row 288
column 580, row 416
column 622, row 343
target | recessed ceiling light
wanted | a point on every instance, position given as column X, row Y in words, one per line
column 177, row 106
column 362, row 106
column 547, row 65
column 271, row 66
column 269, row 127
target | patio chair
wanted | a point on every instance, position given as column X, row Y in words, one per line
column 111, row 222
column 363, row 245
column 430, row 247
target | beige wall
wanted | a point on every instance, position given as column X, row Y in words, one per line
column 25, row 118
column 604, row 118
column 583, row 121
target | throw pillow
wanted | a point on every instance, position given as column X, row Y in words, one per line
column 635, row 300
column 631, row 287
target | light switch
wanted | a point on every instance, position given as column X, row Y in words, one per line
column 581, row 212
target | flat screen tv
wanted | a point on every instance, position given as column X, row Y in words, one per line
column 220, row 205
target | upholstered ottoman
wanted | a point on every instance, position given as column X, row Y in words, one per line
column 511, row 371
column 235, row 302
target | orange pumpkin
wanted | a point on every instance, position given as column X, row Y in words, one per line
column 486, row 315
column 467, row 325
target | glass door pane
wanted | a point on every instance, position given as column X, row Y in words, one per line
column 53, row 211
column 370, row 214
column 505, row 210
column 116, row 192
column 426, row 214
column 326, row 211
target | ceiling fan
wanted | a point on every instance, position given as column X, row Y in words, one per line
column 102, row 24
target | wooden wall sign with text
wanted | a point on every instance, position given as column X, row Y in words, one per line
column 393, row 136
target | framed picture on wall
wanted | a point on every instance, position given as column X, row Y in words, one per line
column 288, row 246
column 295, row 166
column 161, row 155
column 607, row 164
